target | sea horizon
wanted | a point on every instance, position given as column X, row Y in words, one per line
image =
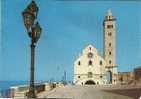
column 7, row 84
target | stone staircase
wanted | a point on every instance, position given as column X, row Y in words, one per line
column 20, row 94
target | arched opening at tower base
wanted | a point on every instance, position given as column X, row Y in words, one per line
column 109, row 76
column 89, row 82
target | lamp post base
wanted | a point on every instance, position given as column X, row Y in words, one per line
column 31, row 94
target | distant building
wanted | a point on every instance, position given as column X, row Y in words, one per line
column 133, row 77
column 125, row 77
column 137, row 73
column 91, row 67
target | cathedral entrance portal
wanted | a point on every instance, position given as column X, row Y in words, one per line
column 90, row 82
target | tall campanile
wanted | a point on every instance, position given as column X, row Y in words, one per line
column 109, row 27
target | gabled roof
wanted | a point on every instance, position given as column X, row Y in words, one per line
column 93, row 48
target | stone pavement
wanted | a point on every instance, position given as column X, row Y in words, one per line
column 81, row 92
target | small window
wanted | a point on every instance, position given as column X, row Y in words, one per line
column 79, row 63
column 78, row 76
column 109, row 33
column 110, row 53
column 90, row 62
column 110, row 44
column 90, row 74
column 100, row 62
column 109, row 26
column 90, row 48
column 100, row 76
column 110, row 61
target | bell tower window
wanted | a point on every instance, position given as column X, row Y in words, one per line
column 110, row 44
column 110, row 61
column 109, row 26
column 110, row 53
column 109, row 33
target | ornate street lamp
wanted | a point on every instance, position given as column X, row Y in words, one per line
column 34, row 32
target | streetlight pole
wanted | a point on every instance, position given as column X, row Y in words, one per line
column 34, row 32
column 32, row 69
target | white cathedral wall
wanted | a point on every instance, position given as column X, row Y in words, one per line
column 83, row 69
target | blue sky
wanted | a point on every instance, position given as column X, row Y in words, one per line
column 68, row 26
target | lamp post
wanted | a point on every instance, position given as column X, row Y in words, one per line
column 34, row 32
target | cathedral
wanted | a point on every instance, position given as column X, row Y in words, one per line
column 93, row 68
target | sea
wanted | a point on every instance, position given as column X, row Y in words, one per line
column 5, row 87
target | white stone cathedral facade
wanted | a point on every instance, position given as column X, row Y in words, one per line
column 93, row 68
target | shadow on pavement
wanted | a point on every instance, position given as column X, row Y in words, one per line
column 134, row 93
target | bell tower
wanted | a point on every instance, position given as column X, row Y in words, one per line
column 109, row 29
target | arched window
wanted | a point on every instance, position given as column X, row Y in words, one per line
column 100, row 62
column 110, row 61
column 90, row 62
column 109, row 26
column 109, row 33
column 109, row 76
column 110, row 44
column 110, row 53
column 101, row 76
column 79, row 63
column 90, row 48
